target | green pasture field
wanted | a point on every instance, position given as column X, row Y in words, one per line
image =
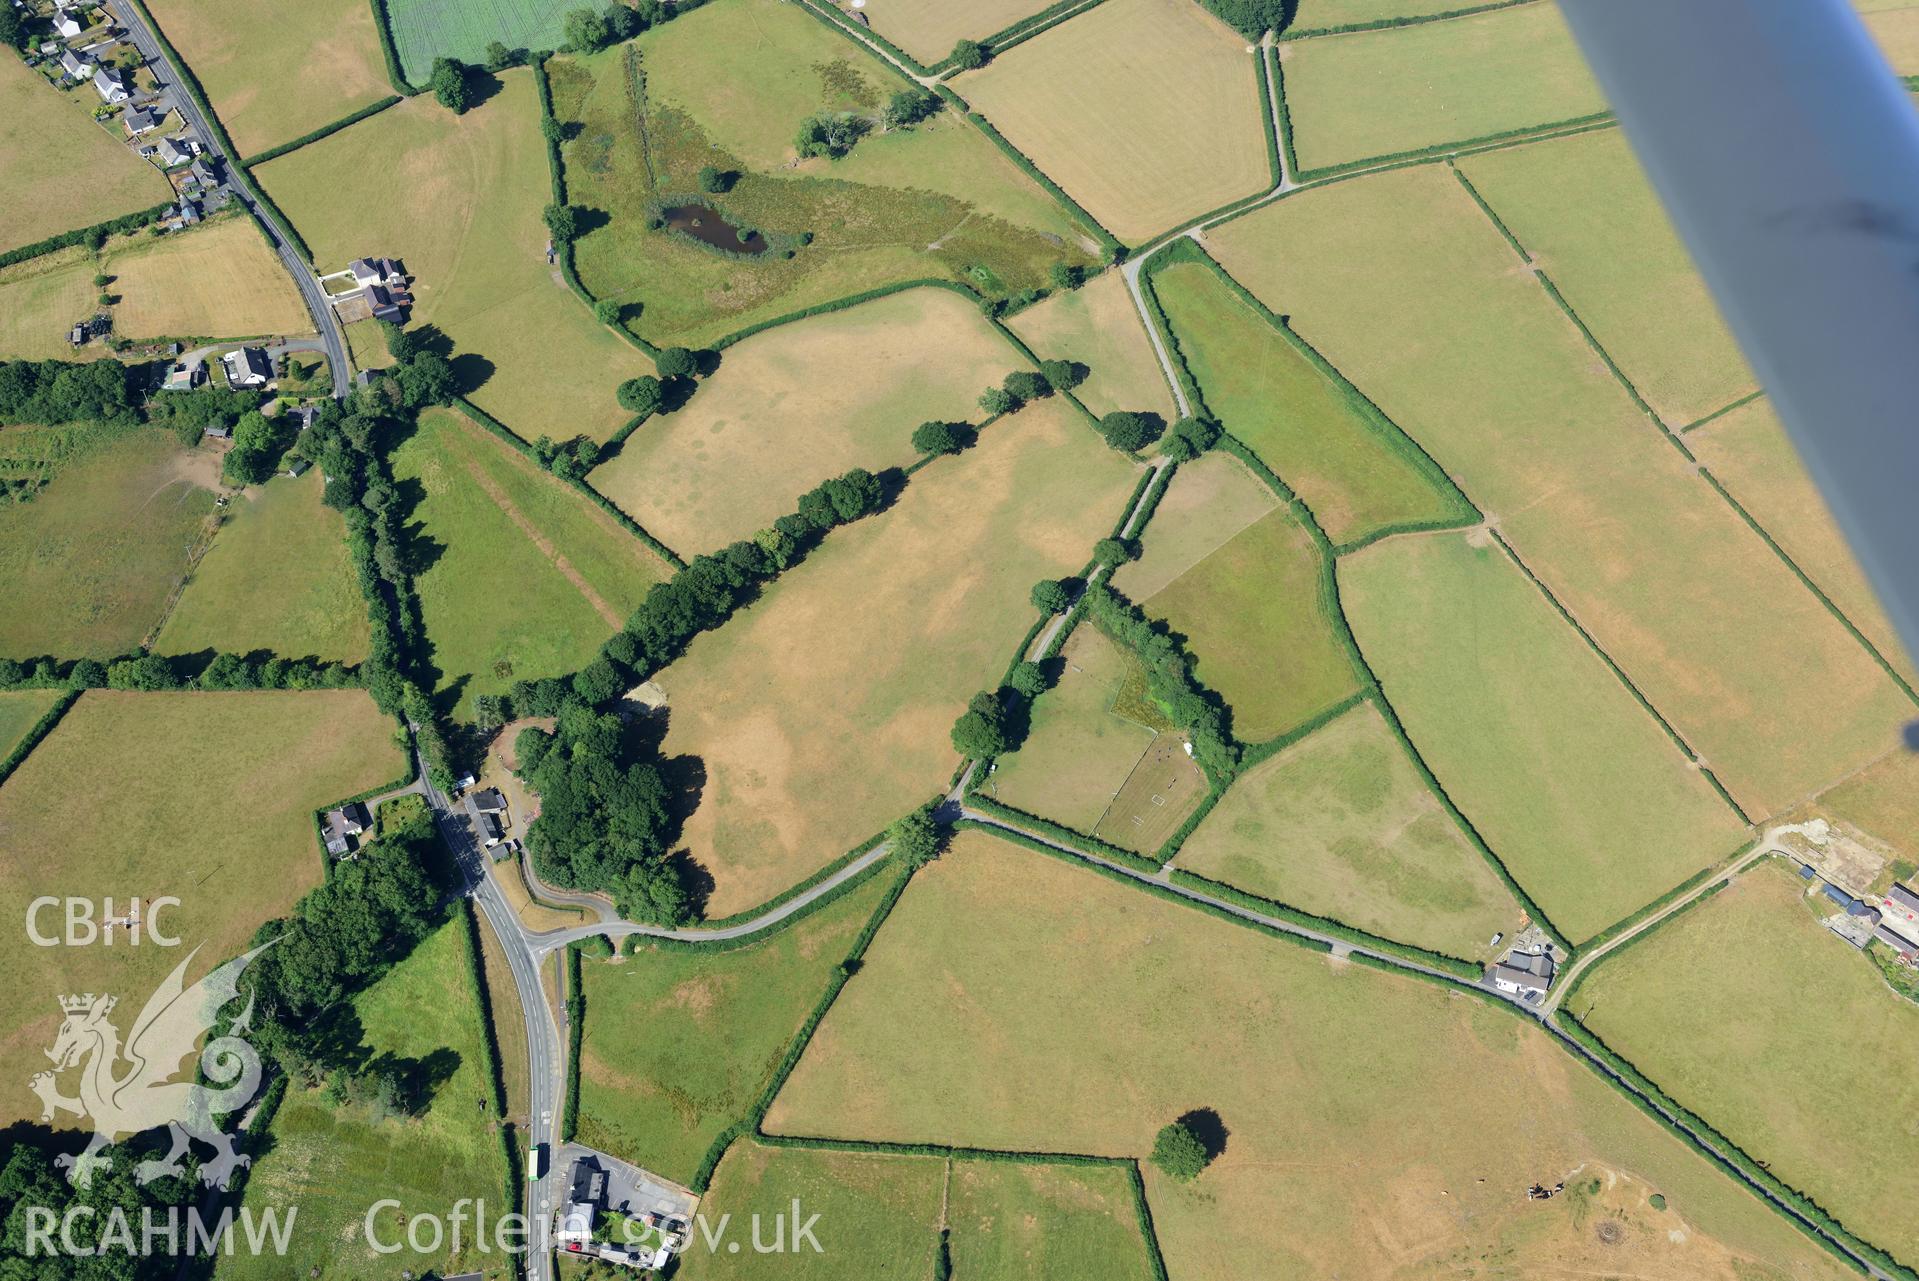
column 335, row 1160
column 100, row 549
column 1816, row 1024
column 1239, row 577
column 427, row 29
column 278, row 577
column 1097, row 326
column 680, row 1043
column 1016, row 1222
column 1014, row 1001
column 1583, row 209
column 1749, row 453
column 524, row 578
column 821, row 712
column 1459, row 345
column 20, row 712
column 63, row 170
column 1296, row 420
column 41, row 298
column 929, row 31
column 1341, row 825
column 1882, row 799
column 1381, row 93
column 275, row 80
column 212, row 799
column 1143, row 143
column 1314, row 15
column 728, row 86
column 1579, row 792
column 801, row 403
column 458, row 200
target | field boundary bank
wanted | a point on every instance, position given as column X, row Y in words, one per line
column 122, row 225
column 1441, row 150
column 324, row 131
column 1626, row 939
column 48, row 722
column 1722, row 411
column 395, row 69
column 1389, row 24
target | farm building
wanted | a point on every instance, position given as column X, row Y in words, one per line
column 1894, row 940
column 1853, row 906
column 1524, row 975
column 247, row 367
column 112, row 86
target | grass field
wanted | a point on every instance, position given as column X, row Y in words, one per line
column 1379, row 93
column 1097, row 326
column 821, row 712
column 219, row 280
column 103, row 545
column 928, row 29
column 458, row 200
column 1239, row 577
column 664, row 1096
column 1749, row 453
column 276, row 79
column 524, row 577
column 1013, row 1001
column 798, row 404
column 277, row 577
column 1461, row 347
column 1583, row 209
column 335, row 1160
column 1883, row 799
column 20, row 712
column 1896, row 29
column 1043, row 1223
column 1142, row 144
column 1316, row 14
column 1308, row 428
column 63, row 171
column 41, row 298
column 1087, row 764
column 177, row 763
column 1817, row 1024
column 1341, row 825
column 728, row 86
column 427, row 29
column 1585, row 799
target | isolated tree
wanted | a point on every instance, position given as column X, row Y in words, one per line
column 831, row 135
column 938, row 438
column 1127, row 431
column 714, row 180
column 969, row 55
column 676, row 362
column 1062, row 375
column 1179, row 1152
column 450, row 85
column 640, row 395
column 1027, row 679
column 910, row 106
column 915, row 838
column 980, row 732
column 1066, row 275
column 1050, row 596
column 997, row 400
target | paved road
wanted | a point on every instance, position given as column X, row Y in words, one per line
column 325, row 323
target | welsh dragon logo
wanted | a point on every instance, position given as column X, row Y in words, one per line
column 128, row 1089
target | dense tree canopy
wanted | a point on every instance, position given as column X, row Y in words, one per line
column 451, row 85
column 1127, row 431
column 980, row 732
column 49, row 392
column 831, row 134
column 940, row 438
column 1178, row 1152
column 969, row 55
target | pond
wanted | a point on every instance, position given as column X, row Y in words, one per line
column 709, row 226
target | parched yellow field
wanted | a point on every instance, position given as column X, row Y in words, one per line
column 1881, row 800
column 220, row 280
column 1751, row 455
column 928, row 29
column 457, row 199
column 212, row 800
column 1314, row 15
column 1012, row 1001
column 1141, row 143
column 1583, row 209
column 800, row 403
column 1458, row 343
column 1208, row 501
column 62, row 170
column 1897, row 32
column 821, row 712
column 275, row 76
column 41, row 298
column 1381, row 93
column 1098, row 326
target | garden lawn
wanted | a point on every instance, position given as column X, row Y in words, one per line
column 219, row 280
column 667, row 1095
column 41, row 299
column 1016, row 1001
column 1341, row 825
column 1097, row 326
column 427, row 29
column 821, row 712
column 335, row 1160
column 728, row 86
column 275, row 78
column 20, row 712
column 1583, row 209
column 1380, row 93
column 929, row 31
column 1459, row 344
column 92, row 561
column 796, row 405
column 1240, row 578
column 458, row 200
column 1579, row 792
column 212, row 801
column 1816, row 1024
column 524, row 577
column 1143, row 143
column 278, row 577
column 1357, row 473
column 1013, row 1221
column 1749, row 453
column 63, row 170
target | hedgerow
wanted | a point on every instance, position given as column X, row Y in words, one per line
column 41, row 728
column 1078, row 840
column 324, row 131
column 82, row 235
